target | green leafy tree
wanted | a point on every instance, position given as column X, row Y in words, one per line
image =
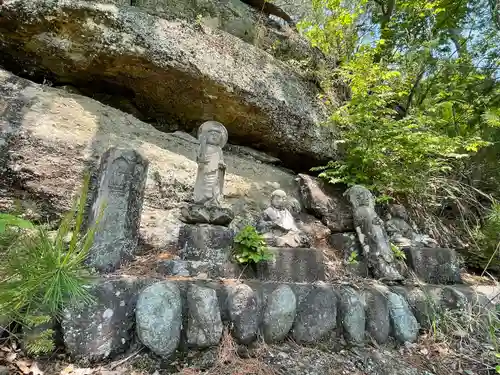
column 421, row 120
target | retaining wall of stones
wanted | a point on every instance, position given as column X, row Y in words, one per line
column 171, row 315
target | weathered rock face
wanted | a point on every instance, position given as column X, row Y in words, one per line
column 172, row 71
column 236, row 18
column 297, row 9
column 48, row 137
column 326, row 203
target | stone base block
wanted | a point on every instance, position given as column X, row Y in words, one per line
column 200, row 214
column 199, row 269
column 205, row 242
column 435, row 265
column 293, row 265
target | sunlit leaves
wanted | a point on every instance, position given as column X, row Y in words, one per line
column 418, row 104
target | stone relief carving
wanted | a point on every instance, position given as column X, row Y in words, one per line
column 372, row 235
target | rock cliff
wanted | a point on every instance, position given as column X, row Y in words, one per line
column 178, row 74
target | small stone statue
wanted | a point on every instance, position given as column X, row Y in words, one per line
column 209, row 184
column 277, row 212
column 372, row 235
column 278, row 224
column 401, row 233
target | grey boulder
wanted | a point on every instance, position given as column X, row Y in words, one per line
column 104, row 328
column 204, row 317
column 316, row 316
column 378, row 324
column 405, row 326
column 279, row 313
column 327, row 203
column 159, row 318
column 352, row 315
column 244, row 312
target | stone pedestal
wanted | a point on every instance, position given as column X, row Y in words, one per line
column 200, row 214
column 204, row 251
column 434, row 265
column 205, row 242
column 293, row 265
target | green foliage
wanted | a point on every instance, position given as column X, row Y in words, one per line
column 41, row 273
column 488, row 238
column 353, row 258
column 385, row 151
column 7, row 220
column 41, row 343
column 250, row 246
column 421, row 120
column 37, row 338
column 398, row 253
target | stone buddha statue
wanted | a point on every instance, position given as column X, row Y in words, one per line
column 372, row 234
column 401, row 233
column 278, row 213
column 278, row 225
column 209, row 184
column 206, row 207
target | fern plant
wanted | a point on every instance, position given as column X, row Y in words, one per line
column 250, row 247
column 41, row 274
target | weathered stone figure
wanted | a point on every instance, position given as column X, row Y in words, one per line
column 278, row 213
column 372, row 234
column 401, row 233
column 279, row 226
column 122, row 180
column 209, row 184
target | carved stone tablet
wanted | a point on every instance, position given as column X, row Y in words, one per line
column 119, row 196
